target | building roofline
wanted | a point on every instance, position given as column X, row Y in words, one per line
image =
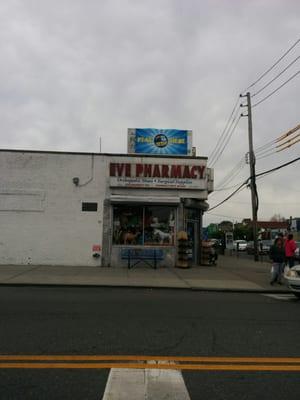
column 101, row 154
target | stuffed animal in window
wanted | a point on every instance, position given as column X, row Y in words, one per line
column 162, row 237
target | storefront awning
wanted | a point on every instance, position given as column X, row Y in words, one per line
column 144, row 199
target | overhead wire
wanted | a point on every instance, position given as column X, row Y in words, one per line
column 277, row 146
column 273, row 66
column 227, row 126
column 290, row 132
column 277, row 168
column 234, row 175
column 229, row 135
column 261, row 153
column 276, row 90
column 227, row 132
column 263, row 147
column 226, row 188
column 286, row 145
column 277, row 151
column 238, row 166
column 265, row 155
column 261, row 174
column 277, row 76
column 231, row 195
column 225, row 216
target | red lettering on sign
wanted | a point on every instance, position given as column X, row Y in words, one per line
column 138, row 169
column 193, row 173
column 186, row 172
column 128, row 170
column 165, row 171
column 176, row 171
column 201, row 169
column 120, row 169
column 156, row 171
column 147, row 170
column 112, row 169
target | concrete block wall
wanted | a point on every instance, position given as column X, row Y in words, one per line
column 41, row 214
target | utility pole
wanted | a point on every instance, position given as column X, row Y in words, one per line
column 254, row 195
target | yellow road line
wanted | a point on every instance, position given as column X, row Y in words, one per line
column 256, row 360
column 199, row 367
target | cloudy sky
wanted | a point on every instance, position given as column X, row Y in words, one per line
column 72, row 71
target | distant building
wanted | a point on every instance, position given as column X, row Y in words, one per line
column 295, row 224
column 226, row 226
column 268, row 229
column 295, row 227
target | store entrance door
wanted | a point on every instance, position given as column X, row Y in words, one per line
column 193, row 237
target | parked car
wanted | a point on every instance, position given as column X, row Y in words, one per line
column 292, row 278
column 263, row 247
column 239, row 245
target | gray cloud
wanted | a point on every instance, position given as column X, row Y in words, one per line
column 73, row 72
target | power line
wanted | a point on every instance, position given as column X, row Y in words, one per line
column 282, row 146
column 279, row 167
column 257, row 176
column 225, row 216
column 276, row 90
column 289, row 143
column 214, row 151
column 261, row 154
column 263, row 174
column 263, row 147
column 231, row 178
column 237, row 167
column 271, row 146
column 231, row 195
column 266, row 150
column 265, row 155
column 290, row 132
column 227, row 188
column 229, row 135
column 277, row 76
column 274, row 65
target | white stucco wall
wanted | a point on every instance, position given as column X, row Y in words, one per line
column 40, row 208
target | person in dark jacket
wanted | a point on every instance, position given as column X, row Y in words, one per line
column 277, row 255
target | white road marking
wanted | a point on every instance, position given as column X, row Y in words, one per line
column 142, row 384
column 283, row 296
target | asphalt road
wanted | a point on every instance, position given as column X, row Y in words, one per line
column 93, row 321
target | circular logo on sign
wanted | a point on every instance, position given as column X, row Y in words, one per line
column 161, row 140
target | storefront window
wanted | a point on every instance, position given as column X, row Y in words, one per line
column 138, row 225
column 128, row 225
column 159, row 224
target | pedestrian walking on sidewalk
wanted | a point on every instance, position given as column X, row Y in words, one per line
column 290, row 248
column 277, row 255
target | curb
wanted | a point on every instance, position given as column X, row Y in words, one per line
column 191, row 288
column 241, row 290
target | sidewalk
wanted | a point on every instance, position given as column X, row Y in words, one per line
column 231, row 274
